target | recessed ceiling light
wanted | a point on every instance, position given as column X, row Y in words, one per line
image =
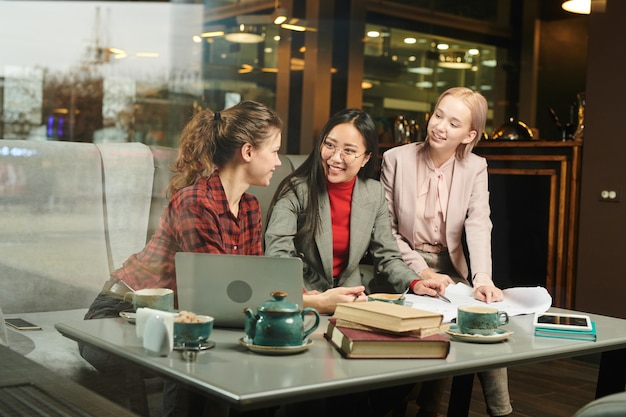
column 420, row 70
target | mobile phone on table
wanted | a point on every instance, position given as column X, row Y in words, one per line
column 21, row 324
column 580, row 322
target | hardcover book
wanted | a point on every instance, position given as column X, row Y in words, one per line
column 363, row 344
column 568, row 334
column 419, row 333
column 387, row 316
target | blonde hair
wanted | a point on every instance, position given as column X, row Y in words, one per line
column 211, row 139
column 477, row 104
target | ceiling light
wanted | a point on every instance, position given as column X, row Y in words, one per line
column 245, row 69
column 245, row 34
column 420, row 70
column 212, row 34
column 577, row 6
column 117, row 53
column 279, row 16
column 294, row 27
column 443, row 46
column 455, row 59
column 410, row 41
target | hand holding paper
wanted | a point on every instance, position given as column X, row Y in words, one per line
column 517, row 301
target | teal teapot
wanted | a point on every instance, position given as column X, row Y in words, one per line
column 278, row 322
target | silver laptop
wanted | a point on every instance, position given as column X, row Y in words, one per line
column 221, row 286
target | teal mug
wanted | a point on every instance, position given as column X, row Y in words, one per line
column 480, row 319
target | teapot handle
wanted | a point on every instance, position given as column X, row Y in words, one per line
column 316, row 323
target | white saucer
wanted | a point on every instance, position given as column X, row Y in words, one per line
column 276, row 350
column 500, row 335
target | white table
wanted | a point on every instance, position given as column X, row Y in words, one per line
column 246, row 380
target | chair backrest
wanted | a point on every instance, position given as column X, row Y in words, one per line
column 4, row 340
column 128, row 171
column 609, row 406
column 54, row 255
column 164, row 159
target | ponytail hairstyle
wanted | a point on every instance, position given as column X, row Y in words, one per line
column 211, row 139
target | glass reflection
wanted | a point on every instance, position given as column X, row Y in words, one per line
column 104, row 72
column 405, row 72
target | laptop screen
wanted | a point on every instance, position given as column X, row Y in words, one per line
column 221, row 285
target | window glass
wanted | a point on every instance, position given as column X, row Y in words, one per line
column 406, row 71
column 104, row 72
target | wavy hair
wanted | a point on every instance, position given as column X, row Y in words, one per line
column 211, row 139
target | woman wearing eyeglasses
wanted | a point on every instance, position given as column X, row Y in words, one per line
column 330, row 213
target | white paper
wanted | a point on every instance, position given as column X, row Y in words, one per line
column 517, row 301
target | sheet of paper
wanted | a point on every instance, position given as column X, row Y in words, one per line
column 517, row 301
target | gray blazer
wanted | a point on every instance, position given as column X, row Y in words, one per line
column 370, row 230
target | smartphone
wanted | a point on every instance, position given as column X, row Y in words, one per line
column 21, row 324
column 563, row 321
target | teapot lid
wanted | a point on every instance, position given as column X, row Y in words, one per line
column 278, row 303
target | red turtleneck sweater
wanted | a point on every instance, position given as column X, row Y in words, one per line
column 340, row 196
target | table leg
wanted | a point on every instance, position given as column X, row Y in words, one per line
column 612, row 373
column 460, row 395
column 137, row 393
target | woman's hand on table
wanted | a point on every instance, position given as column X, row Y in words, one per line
column 432, row 286
column 488, row 293
column 431, row 283
column 325, row 302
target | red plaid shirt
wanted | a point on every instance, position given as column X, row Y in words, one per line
column 197, row 219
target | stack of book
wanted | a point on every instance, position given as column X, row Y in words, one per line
column 377, row 329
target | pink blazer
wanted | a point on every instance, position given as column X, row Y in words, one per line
column 468, row 208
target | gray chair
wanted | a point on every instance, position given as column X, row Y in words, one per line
column 613, row 405
column 4, row 340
